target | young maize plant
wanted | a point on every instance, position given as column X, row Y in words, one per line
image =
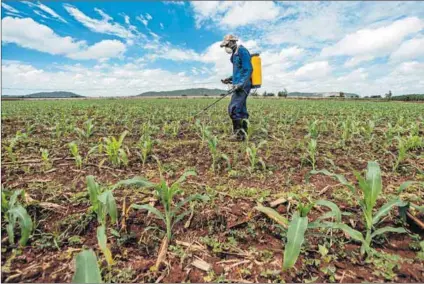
column 12, row 144
column 172, row 128
column 346, row 132
column 216, row 154
column 371, row 188
column 203, row 131
column 73, row 147
column 411, row 142
column 103, row 204
column 368, row 130
column 145, row 145
column 87, row 131
column 313, row 129
column 86, row 268
column 390, row 133
column 253, row 157
column 312, row 151
column 166, row 194
column 46, row 159
column 147, row 128
column 114, row 150
column 14, row 213
column 298, row 226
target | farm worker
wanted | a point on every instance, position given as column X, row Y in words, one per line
column 242, row 71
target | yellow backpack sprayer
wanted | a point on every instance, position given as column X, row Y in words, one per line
column 255, row 78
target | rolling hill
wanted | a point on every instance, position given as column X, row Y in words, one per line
column 46, row 95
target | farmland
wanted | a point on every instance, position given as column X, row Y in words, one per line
column 139, row 180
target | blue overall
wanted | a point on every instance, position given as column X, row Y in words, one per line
column 242, row 71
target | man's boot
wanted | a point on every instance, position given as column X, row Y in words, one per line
column 237, row 130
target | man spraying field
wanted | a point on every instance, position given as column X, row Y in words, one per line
column 241, row 80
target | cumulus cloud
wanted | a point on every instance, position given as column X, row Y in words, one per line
column 313, row 70
column 30, row 34
column 234, row 14
column 103, row 26
column 409, row 49
column 124, row 80
column 378, row 41
column 102, row 50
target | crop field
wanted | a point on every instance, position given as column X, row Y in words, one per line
column 139, row 191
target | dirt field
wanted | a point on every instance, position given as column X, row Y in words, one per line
column 223, row 239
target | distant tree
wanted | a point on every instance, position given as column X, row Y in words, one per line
column 283, row 94
column 264, row 94
column 376, row 97
column 222, row 95
column 254, row 94
column 183, row 95
column 271, row 95
column 389, row 95
column 342, row 95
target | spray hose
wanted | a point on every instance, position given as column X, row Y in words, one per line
column 214, row 103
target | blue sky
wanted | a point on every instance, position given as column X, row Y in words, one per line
column 124, row 48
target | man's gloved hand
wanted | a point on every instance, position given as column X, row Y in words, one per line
column 228, row 80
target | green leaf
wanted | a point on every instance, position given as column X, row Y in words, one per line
column 149, row 208
column 14, row 197
column 374, row 181
column 24, row 220
column 274, row 215
column 87, row 269
column 108, row 201
column 10, row 232
column 340, row 178
column 102, row 241
column 93, row 191
column 386, row 209
column 354, row 234
column 184, row 176
column 295, row 238
column 135, row 181
column 405, row 185
column 180, row 217
column 192, row 197
column 387, row 229
column 4, row 203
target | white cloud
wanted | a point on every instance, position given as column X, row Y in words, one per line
column 179, row 3
column 9, row 8
column 43, row 8
column 161, row 26
column 410, row 49
column 148, row 16
column 100, row 80
column 101, row 50
column 354, row 61
column 104, row 26
column 50, row 12
column 234, row 14
column 378, row 41
column 142, row 19
column 41, row 14
column 313, row 70
column 244, row 13
column 30, row 34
